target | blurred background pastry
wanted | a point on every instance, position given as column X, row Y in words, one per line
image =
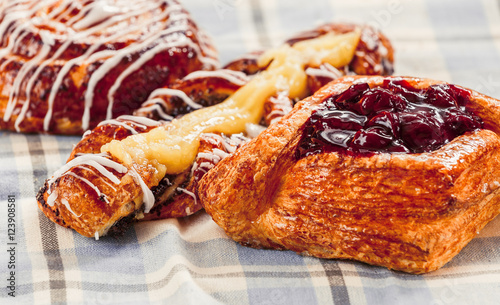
column 65, row 66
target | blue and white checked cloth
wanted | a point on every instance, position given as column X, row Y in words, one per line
column 191, row 260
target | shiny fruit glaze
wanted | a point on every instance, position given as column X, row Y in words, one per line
column 392, row 118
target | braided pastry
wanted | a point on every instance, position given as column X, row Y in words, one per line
column 65, row 66
column 148, row 167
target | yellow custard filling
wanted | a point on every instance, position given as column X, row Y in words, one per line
column 172, row 148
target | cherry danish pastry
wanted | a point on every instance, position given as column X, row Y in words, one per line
column 399, row 172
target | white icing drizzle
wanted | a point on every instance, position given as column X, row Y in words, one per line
column 209, row 61
column 93, row 186
column 213, row 138
column 94, row 13
column 14, row 15
column 120, row 54
column 281, row 107
column 139, row 120
column 57, row 83
column 220, row 153
column 98, row 161
column 96, row 235
column 253, row 130
column 189, row 193
column 16, row 12
column 325, row 70
column 66, row 12
column 147, row 195
column 86, row 133
column 14, row 93
column 227, row 146
column 235, row 77
column 19, row 38
column 175, row 92
column 14, row 39
column 52, row 198
column 81, row 15
column 65, row 202
column 217, row 154
column 207, row 165
column 119, row 123
column 277, row 112
column 5, row 63
column 370, row 61
column 66, row 5
column 155, row 104
column 209, row 156
column 112, row 62
column 121, row 13
column 101, row 178
column 34, row 77
column 148, row 55
column 57, row 26
column 204, row 165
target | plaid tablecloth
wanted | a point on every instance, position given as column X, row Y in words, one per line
column 190, row 260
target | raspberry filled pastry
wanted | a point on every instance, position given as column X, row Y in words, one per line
column 399, row 172
column 67, row 65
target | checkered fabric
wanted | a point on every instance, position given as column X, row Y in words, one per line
column 191, row 260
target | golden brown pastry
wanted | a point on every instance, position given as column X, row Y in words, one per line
column 87, row 183
column 396, row 172
column 145, row 169
column 65, row 66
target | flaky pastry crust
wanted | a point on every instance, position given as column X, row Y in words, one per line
column 408, row 212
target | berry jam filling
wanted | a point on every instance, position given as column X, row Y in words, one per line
column 391, row 118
